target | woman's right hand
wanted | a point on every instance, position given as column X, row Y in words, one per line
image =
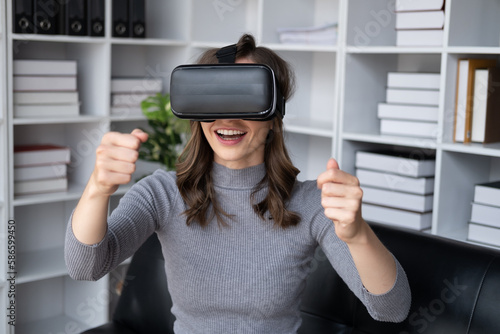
column 115, row 160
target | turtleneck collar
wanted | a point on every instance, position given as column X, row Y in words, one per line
column 245, row 178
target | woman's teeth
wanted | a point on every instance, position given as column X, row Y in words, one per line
column 230, row 134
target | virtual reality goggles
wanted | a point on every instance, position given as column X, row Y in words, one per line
column 225, row 91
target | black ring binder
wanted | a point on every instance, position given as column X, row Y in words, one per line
column 137, row 18
column 76, row 17
column 120, row 18
column 22, row 20
column 96, row 17
column 44, row 16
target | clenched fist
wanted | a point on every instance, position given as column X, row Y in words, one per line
column 115, row 160
column 341, row 198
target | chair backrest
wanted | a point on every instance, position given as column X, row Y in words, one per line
column 455, row 289
column 144, row 305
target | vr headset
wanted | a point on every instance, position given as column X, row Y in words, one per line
column 225, row 90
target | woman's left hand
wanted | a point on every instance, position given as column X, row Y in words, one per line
column 341, row 198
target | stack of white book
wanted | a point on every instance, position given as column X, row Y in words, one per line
column 398, row 187
column 484, row 225
column 419, row 23
column 45, row 88
column 411, row 107
column 40, row 169
column 128, row 93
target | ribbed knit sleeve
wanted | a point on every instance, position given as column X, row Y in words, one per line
column 82, row 260
column 129, row 225
column 392, row 306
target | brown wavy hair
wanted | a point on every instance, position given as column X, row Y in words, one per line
column 194, row 178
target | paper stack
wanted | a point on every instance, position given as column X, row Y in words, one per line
column 484, row 225
column 40, row 169
column 419, row 23
column 320, row 35
column 411, row 107
column 45, row 88
column 398, row 187
column 128, row 93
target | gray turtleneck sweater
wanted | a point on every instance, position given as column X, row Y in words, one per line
column 245, row 278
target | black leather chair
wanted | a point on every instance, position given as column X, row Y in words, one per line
column 455, row 289
column 144, row 304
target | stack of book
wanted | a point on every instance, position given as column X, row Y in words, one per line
column 398, row 187
column 411, row 107
column 419, row 23
column 45, row 88
column 40, row 169
column 484, row 225
column 128, row 93
column 477, row 101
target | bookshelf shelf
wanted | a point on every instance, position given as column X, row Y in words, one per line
column 320, row 131
column 321, row 125
column 74, row 192
column 207, row 45
column 393, row 50
column 56, row 38
column 485, row 50
column 391, row 140
column 492, row 150
column 148, row 41
column 333, row 113
column 130, row 118
column 40, row 265
column 302, row 47
column 276, row 47
column 59, row 120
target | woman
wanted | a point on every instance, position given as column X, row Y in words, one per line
column 237, row 230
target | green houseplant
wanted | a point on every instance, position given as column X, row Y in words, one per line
column 167, row 133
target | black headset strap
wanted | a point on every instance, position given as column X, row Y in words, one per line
column 227, row 54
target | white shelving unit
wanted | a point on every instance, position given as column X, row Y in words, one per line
column 370, row 52
column 4, row 205
column 333, row 113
